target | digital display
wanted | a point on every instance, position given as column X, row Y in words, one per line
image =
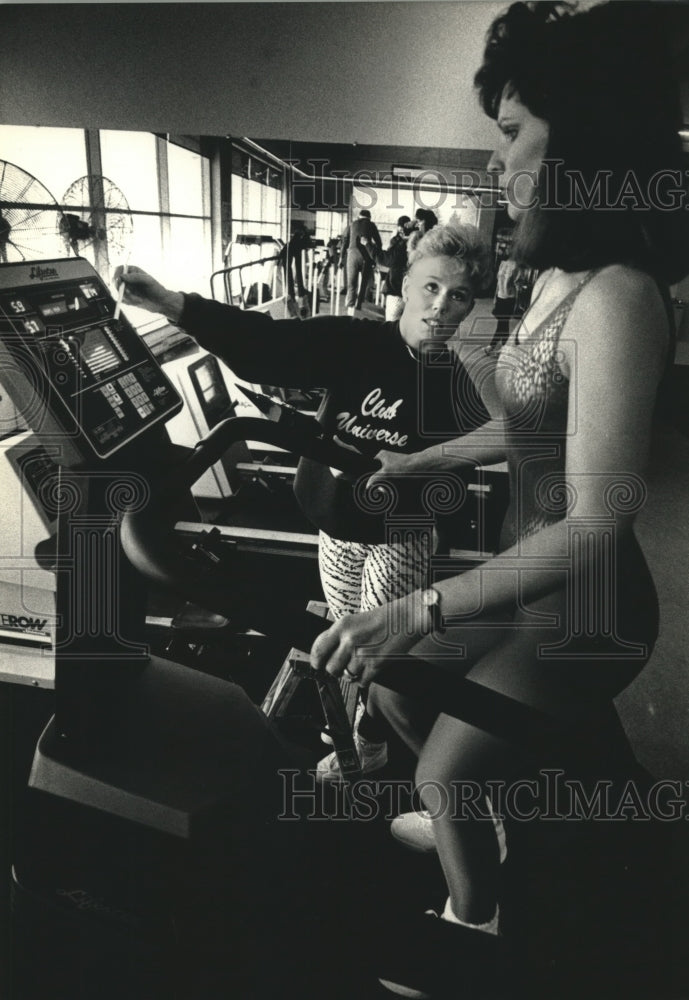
column 98, row 353
column 210, row 390
column 106, row 387
column 17, row 306
column 62, row 305
column 207, row 384
column 31, row 326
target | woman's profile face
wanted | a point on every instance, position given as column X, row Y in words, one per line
column 519, row 153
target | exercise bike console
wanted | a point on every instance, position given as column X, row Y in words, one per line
column 79, row 377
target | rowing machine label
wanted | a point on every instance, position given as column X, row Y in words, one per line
column 22, row 623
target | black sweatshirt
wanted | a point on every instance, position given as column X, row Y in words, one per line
column 378, row 396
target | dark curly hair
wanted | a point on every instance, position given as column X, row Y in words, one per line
column 426, row 216
column 612, row 187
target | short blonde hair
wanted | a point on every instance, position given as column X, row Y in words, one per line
column 461, row 242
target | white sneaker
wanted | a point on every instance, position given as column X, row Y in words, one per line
column 415, row 830
column 404, row 991
column 372, row 756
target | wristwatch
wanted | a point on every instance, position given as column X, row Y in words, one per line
column 430, row 598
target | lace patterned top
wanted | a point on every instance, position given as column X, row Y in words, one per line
column 534, row 394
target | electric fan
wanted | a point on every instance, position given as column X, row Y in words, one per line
column 96, row 222
column 29, row 217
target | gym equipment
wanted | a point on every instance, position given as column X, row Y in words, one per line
column 29, row 515
column 550, row 947
column 141, row 782
column 80, row 379
column 118, row 795
column 152, row 820
column 199, row 379
column 251, row 279
column 338, row 714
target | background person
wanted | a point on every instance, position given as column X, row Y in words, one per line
column 395, row 260
column 512, row 297
column 329, row 267
column 356, row 260
column 291, row 259
column 424, row 221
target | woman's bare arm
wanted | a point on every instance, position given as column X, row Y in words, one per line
column 614, row 346
column 484, row 446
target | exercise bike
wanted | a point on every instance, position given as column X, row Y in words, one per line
column 151, row 860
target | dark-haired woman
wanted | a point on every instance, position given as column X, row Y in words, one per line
column 566, row 614
column 424, row 221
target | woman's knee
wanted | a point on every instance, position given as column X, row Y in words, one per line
column 433, row 774
column 436, row 794
column 457, row 752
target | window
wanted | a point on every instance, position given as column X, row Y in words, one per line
column 187, row 261
column 258, row 218
column 154, row 208
column 54, row 156
column 257, row 199
column 329, row 224
column 129, row 161
column 256, row 208
column 188, row 181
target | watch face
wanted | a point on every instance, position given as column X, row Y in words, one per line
column 431, row 600
column 430, row 597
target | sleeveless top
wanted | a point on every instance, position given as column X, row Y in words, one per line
column 534, row 395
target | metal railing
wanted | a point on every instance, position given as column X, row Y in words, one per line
column 238, row 285
column 246, row 299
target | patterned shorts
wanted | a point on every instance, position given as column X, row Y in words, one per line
column 357, row 576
